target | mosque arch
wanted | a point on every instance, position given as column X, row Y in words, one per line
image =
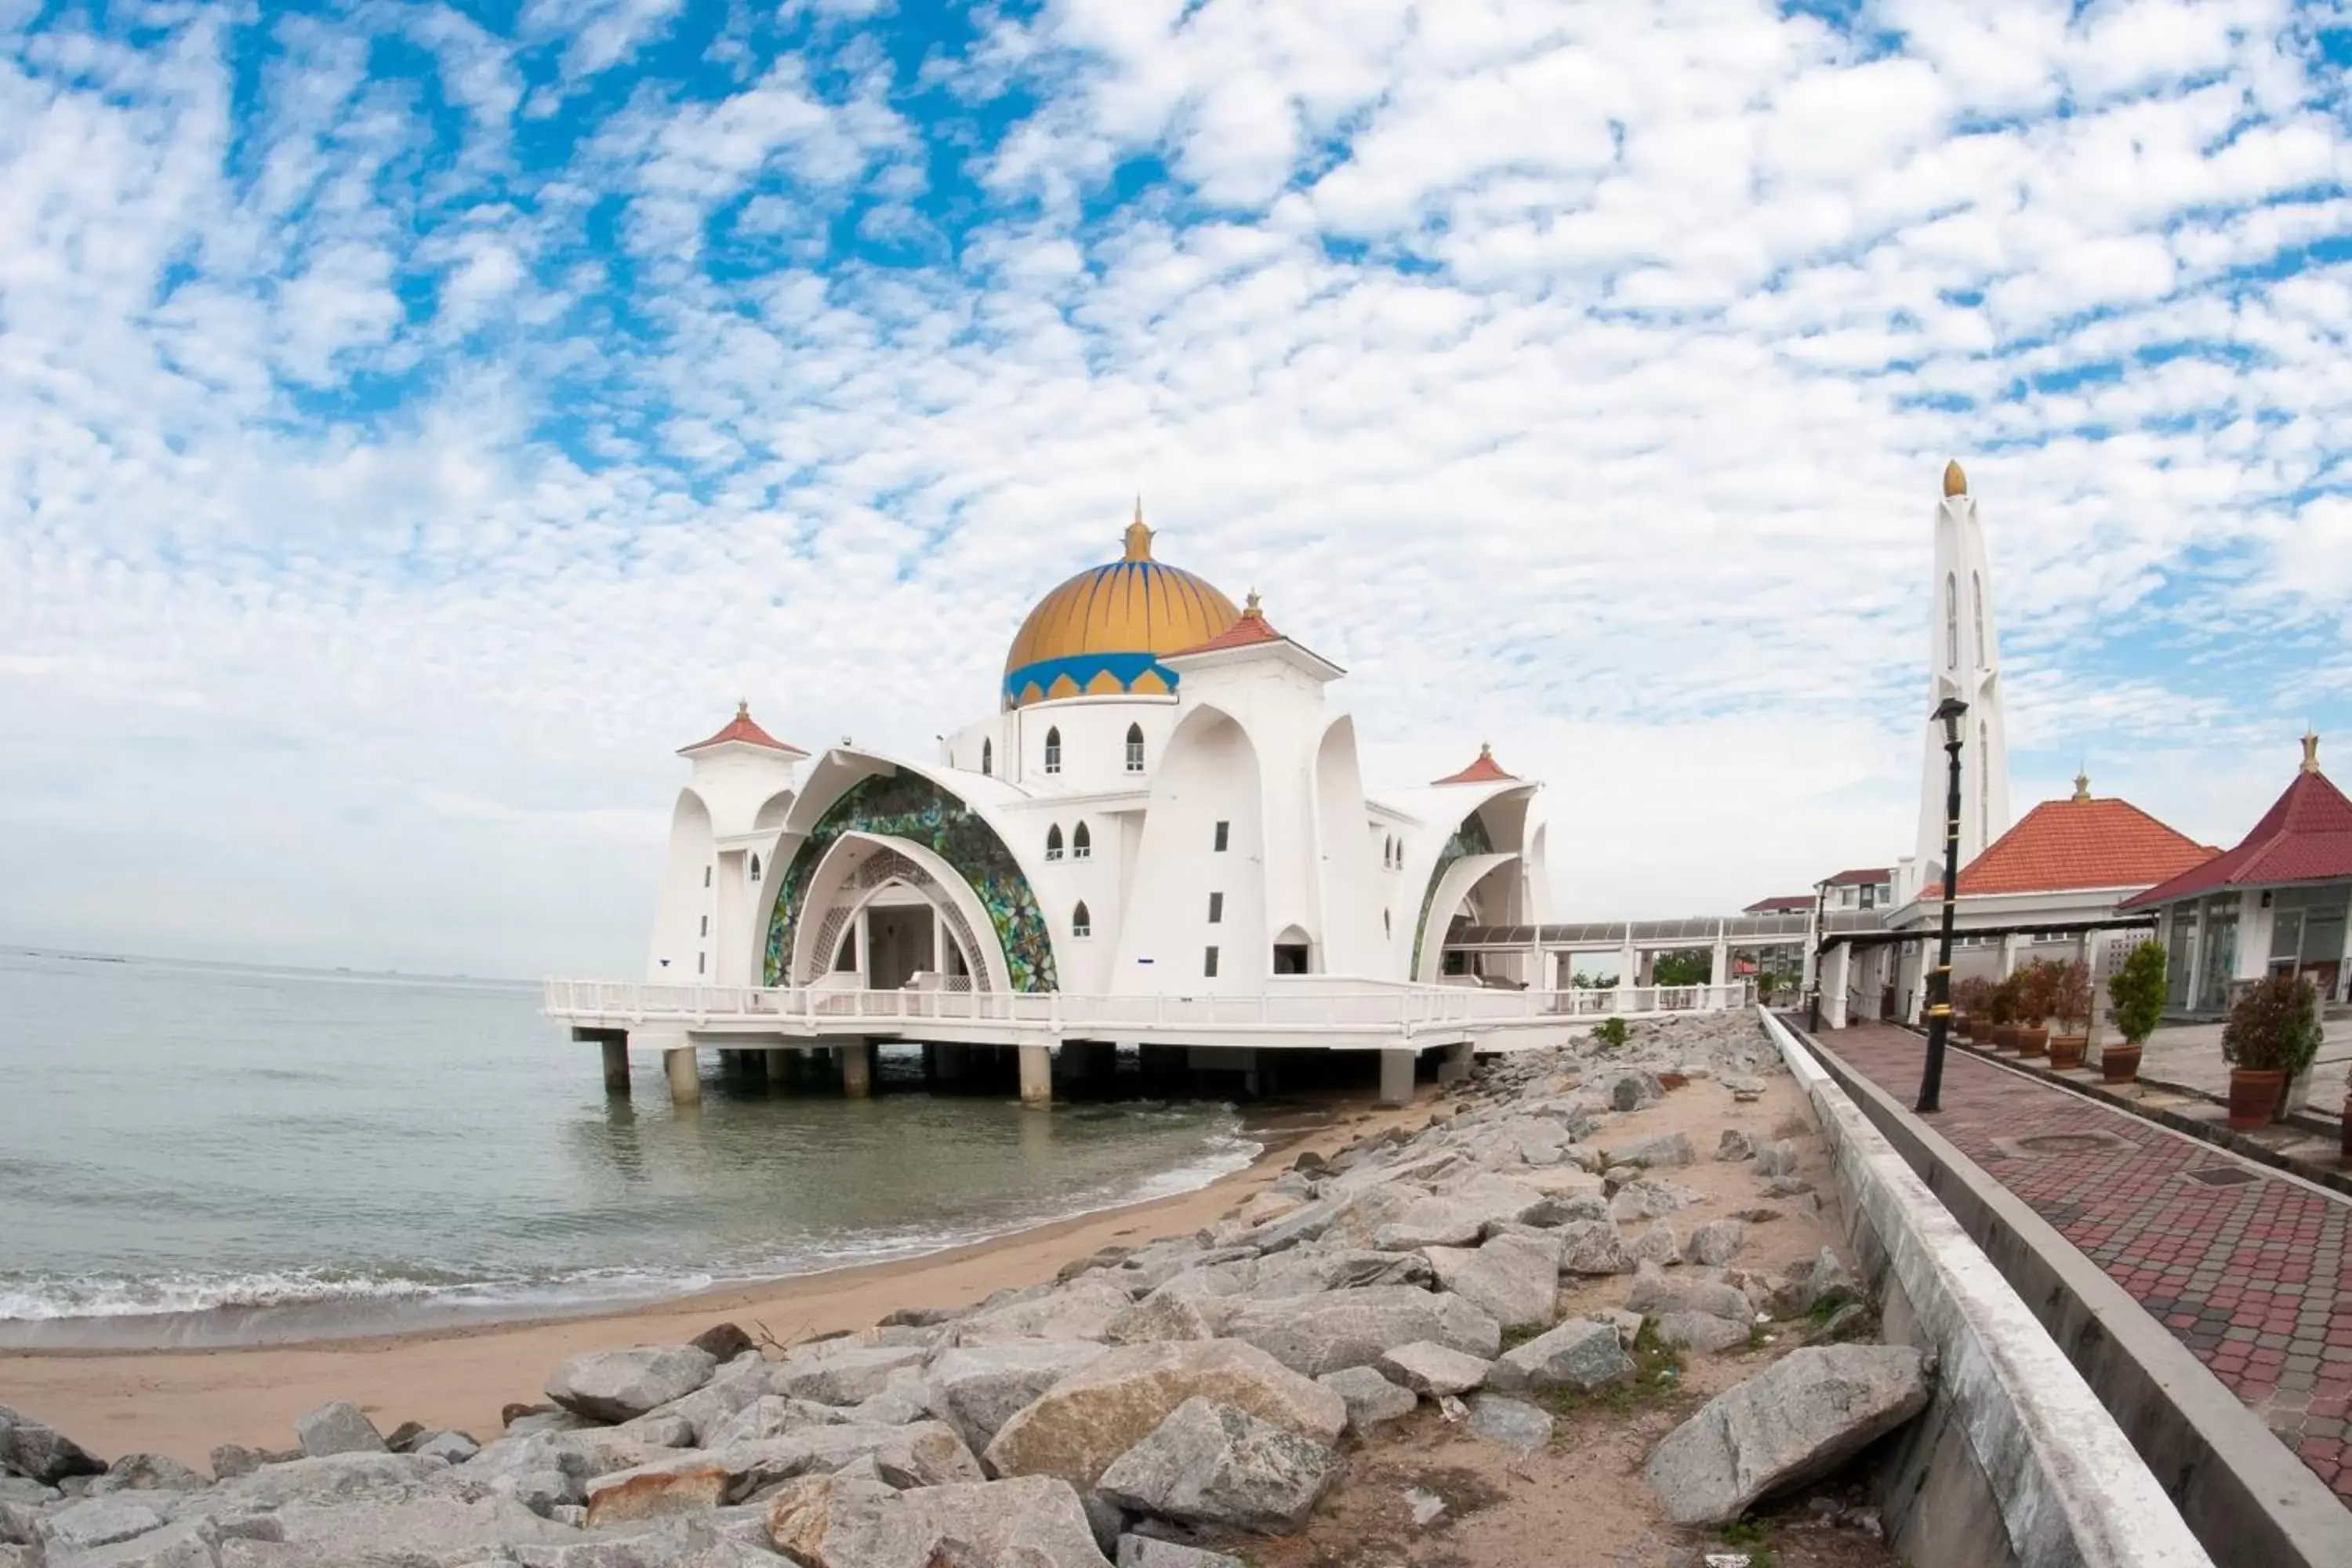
column 1208, row 786
column 1054, row 842
column 858, row 868
column 1459, row 893
column 902, row 803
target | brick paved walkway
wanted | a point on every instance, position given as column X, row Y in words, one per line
column 2255, row 1276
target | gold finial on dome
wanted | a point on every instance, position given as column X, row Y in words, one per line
column 2310, row 749
column 1955, row 480
column 1139, row 538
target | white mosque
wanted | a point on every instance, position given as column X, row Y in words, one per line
column 1160, row 837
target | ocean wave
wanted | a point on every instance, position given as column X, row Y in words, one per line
column 405, row 1293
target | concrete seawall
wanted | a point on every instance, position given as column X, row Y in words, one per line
column 2016, row 1462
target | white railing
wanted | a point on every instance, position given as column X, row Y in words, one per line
column 1395, row 1010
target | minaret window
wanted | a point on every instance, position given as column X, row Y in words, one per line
column 1082, row 843
column 755, row 867
column 1216, row 908
column 1984, row 787
column 1221, row 834
column 1054, row 842
column 1081, row 922
column 1984, row 654
column 987, row 757
column 1054, row 751
column 1209, row 964
column 1135, row 748
column 706, row 876
column 1951, row 621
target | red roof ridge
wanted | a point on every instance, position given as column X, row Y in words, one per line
column 1485, row 770
column 2304, row 837
column 743, row 731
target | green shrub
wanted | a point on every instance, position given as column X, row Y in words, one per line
column 2001, row 1005
column 2070, row 995
column 1610, row 1033
column 2275, row 1027
column 2137, row 991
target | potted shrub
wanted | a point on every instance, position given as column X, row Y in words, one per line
column 1968, row 1004
column 2271, row 1034
column 2136, row 992
column 2070, row 1009
column 2033, row 1008
column 2000, row 1006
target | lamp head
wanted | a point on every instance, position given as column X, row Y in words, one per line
column 1949, row 712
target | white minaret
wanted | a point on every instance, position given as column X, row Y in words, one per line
column 1964, row 661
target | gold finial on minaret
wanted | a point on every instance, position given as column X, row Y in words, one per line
column 1956, row 482
column 1139, row 538
column 2083, row 785
column 2310, row 750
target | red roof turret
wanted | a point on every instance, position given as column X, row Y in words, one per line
column 741, row 730
column 1485, row 770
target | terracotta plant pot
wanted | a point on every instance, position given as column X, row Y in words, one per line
column 2067, row 1050
column 2119, row 1064
column 1964, row 1026
column 2033, row 1040
column 2004, row 1037
column 2253, row 1097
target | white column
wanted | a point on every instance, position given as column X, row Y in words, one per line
column 685, row 1073
column 858, row 1069
column 1396, row 1076
column 866, row 948
column 2010, row 947
column 1834, row 979
column 1037, row 1077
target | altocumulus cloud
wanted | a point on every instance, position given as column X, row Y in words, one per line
column 414, row 422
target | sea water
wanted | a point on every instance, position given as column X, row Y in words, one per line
column 206, row 1153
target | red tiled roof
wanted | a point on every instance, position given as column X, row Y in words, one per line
column 2079, row 843
column 1250, row 628
column 2306, row 836
column 1860, row 877
column 740, row 727
column 1780, row 903
column 1485, row 770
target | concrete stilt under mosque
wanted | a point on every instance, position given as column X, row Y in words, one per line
column 616, row 1065
column 1396, row 1076
column 780, row 1065
column 1037, row 1076
column 1455, row 1066
column 685, row 1073
column 858, row 1069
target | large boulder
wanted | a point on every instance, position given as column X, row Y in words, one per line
column 432, row 1528
column 1665, row 1149
column 841, row 1375
column 94, row 1522
column 1305, row 1273
column 1511, row 1422
column 833, row 1521
column 1214, row 1465
column 1701, row 1332
column 731, row 1388
column 1370, row 1398
column 1098, row 1412
column 30, row 1448
column 1716, row 1242
column 1150, row 1552
column 147, row 1473
column 1656, row 1292
column 1800, row 1418
column 1514, row 1278
column 1578, row 1354
column 1316, row 1335
column 618, row 1385
column 656, row 1494
column 338, row 1426
column 772, row 1417
column 1593, row 1246
column 1433, row 1369
column 1081, row 1311
column 334, row 1480
column 925, row 1454
column 977, row 1389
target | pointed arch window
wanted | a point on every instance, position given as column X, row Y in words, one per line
column 1081, row 922
column 1054, row 842
column 1984, row 654
column 1054, row 750
column 1082, row 843
column 1984, row 787
column 755, row 867
column 1951, row 621
column 987, row 758
column 1384, row 924
column 1135, row 748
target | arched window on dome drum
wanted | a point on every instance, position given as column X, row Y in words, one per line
column 1984, row 658
column 1135, row 748
column 1082, row 843
column 1951, row 621
column 1054, row 751
column 1081, row 922
column 1054, row 842
column 755, row 867
column 987, row 757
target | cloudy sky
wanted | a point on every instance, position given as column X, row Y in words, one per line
column 417, row 419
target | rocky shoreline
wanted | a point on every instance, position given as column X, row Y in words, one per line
column 1161, row 1406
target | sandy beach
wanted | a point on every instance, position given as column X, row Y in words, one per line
column 182, row 1402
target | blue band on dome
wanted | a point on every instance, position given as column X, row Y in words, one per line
column 1124, row 668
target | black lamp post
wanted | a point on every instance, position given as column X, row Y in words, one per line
column 1939, row 984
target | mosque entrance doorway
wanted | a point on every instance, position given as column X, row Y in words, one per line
column 900, row 943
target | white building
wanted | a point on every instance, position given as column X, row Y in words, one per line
column 1162, row 834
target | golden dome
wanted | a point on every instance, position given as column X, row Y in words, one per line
column 1955, row 482
column 1102, row 632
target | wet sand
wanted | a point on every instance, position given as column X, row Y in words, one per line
column 182, row 1402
